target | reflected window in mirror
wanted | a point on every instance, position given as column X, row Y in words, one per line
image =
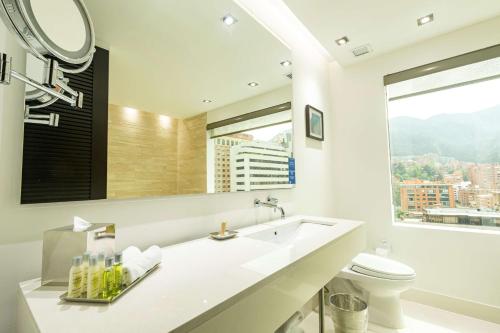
column 252, row 151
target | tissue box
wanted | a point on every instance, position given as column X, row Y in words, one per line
column 62, row 244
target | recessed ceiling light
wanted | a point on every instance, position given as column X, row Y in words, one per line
column 425, row 19
column 342, row 41
column 286, row 63
column 207, row 101
column 253, row 84
column 229, row 19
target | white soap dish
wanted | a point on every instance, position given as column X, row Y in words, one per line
column 227, row 235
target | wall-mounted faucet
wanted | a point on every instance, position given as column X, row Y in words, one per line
column 270, row 203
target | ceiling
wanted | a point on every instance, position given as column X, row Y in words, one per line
column 385, row 24
column 167, row 56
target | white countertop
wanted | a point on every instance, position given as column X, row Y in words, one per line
column 196, row 280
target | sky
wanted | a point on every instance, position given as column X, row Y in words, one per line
column 466, row 99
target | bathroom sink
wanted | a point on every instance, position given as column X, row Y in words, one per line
column 291, row 240
column 291, row 233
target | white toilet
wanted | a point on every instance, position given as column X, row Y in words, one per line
column 382, row 281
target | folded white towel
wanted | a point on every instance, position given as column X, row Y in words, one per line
column 140, row 264
column 131, row 272
column 130, row 253
column 150, row 257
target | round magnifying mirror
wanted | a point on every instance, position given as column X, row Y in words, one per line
column 59, row 28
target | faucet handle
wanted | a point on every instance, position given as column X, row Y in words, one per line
column 272, row 200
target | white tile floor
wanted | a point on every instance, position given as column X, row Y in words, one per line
column 420, row 319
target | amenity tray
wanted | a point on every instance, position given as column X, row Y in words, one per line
column 110, row 300
column 217, row 236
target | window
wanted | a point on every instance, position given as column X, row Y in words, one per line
column 444, row 132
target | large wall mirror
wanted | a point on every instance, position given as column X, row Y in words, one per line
column 199, row 99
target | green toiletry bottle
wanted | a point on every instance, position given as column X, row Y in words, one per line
column 93, row 279
column 101, row 265
column 118, row 271
column 108, row 279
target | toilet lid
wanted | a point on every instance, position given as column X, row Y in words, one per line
column 381, row 267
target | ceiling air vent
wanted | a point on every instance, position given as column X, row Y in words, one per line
column 360, row 50
column 290, row 76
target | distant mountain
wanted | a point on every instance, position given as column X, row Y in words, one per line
column 470, row 137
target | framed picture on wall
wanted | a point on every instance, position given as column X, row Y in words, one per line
column 314, row 123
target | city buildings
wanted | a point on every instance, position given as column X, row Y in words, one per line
column 453, row 178
column 417, row 195
column 259, row 166
column 222, row 159
column 485, row 176
column 475, row 197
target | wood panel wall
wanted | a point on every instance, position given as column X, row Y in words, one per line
column 192, row 155
column 154, row 155
column 142, row 154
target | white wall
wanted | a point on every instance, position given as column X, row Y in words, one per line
column 162, row 220
column 458, row 264
column 262, row 101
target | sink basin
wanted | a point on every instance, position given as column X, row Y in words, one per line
column 291, row 239
column 291, row 233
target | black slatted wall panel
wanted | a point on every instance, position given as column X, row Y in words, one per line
column 68, row 163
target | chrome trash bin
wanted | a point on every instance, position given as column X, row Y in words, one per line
column 349, row 313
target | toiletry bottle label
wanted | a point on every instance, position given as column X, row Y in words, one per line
column 85, row 272
column 75, row 283
column 93, row 285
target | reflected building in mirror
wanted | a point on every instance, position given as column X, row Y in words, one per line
column 222, row 159
column 251, row 151
column 259, row 166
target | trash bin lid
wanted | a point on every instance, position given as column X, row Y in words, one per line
column 381, row 267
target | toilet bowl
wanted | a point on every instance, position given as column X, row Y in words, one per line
column 382, row 280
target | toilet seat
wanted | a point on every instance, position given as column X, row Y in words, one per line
column 381, row 281
column 380, row 267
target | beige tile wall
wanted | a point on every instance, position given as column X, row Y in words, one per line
column 142, row 154
column 192, row 155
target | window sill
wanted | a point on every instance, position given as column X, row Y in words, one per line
column 436, row 226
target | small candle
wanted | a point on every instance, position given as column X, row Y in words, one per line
column 223, row 228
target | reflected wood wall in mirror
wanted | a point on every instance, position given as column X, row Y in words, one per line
column 151, row 154
column 195, row 105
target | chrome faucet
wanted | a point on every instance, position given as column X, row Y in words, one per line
column 270, row 203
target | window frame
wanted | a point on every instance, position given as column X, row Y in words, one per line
column 461, row 60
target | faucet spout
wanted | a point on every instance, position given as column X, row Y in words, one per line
column 282, row 211
column 270, row 203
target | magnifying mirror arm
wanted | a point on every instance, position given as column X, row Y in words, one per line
column 51, row 119
column 67, row 88
column 71, row 100
column 6, row 72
